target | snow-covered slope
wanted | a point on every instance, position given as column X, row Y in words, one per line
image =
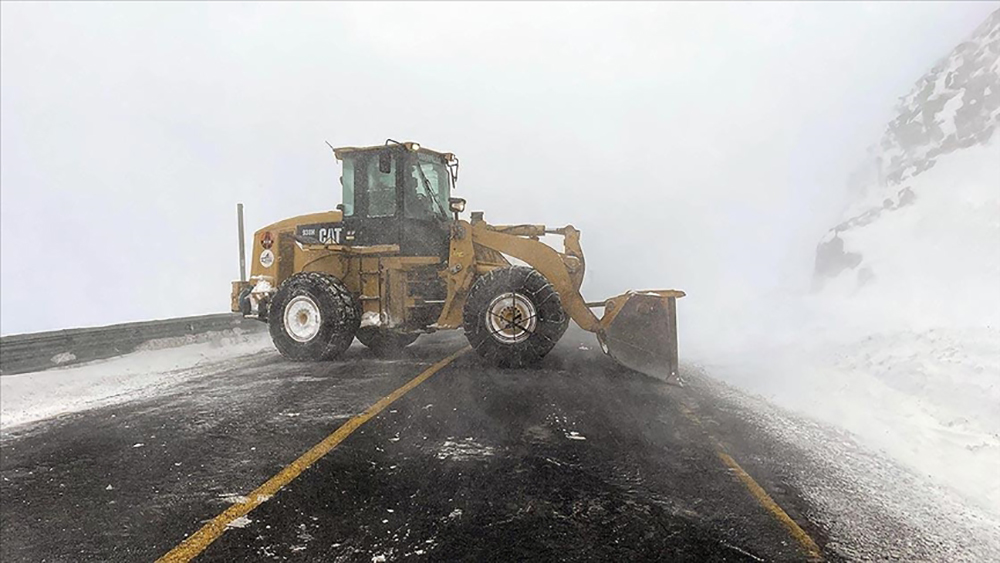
column 909, row 280
column 899, row 341
column 908, row 283
column 932, row 257
column 953, row 108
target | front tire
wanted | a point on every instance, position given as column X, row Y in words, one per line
column 513, row 316
column 312, row 317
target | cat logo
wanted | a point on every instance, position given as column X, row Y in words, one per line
column 323, row 233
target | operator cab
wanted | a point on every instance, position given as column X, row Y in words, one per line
column 398, row 193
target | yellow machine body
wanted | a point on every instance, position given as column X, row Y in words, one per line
column 428, row 293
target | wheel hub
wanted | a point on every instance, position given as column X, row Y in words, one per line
column 302, row 318
column 511, row 317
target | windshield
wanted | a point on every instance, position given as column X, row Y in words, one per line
column 427, row 188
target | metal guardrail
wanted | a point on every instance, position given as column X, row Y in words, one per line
column 20, row 353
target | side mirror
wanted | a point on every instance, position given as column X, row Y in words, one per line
column 385, row 163
column 457, row 205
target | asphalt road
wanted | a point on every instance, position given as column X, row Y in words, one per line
column 576, row 459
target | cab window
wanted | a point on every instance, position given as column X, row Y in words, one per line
column 347, row 182
column 381, row 176
column 426, row 188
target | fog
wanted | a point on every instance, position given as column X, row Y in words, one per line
column 700, row 146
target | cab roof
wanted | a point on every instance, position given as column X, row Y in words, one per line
column 341, row 152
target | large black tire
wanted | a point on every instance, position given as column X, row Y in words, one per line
column 385, row 342
column 323, row 314
column 520, row 341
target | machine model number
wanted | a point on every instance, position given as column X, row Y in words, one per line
column 325, row 233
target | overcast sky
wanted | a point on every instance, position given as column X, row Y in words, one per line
column 702, row 146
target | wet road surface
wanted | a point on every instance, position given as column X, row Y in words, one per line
column 576, row 459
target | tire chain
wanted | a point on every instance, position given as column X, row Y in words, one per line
column 350, row 319
column 518, row 278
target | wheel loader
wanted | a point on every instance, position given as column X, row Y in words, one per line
column 395, row 260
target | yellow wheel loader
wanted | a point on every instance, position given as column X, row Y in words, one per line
column 395, row 261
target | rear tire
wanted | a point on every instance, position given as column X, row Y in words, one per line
column 385, row 342
column 513, row 316
column 312, row 317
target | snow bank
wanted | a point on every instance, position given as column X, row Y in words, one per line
column 927, row 399
column 29, row 397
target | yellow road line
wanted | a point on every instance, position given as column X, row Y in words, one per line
column 198, row 541
column 765, row 500
column 805, row 540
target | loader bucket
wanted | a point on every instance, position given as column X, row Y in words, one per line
column 639, row 331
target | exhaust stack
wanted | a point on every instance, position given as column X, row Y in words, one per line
column 243, row 255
